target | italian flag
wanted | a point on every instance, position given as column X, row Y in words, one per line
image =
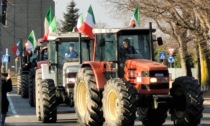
column 49, row 24
column 135, row 20
column 17, row 48
column 53, row 26
column 79, row 22
column 88, row 23
column 31, row 43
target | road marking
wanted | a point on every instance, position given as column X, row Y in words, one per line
column 12, row 107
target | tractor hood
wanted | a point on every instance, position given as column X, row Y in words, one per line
column 144, row 65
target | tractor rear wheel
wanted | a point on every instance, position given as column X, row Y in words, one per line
column 187, row 102
column 87, row 99
column 18, row 84
column 119, row 103
column 48, row 102
column 31, row 87
column 38, row 79
column 24, row 85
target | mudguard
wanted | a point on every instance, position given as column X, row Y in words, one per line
column 98, row 70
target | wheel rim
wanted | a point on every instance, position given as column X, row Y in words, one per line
column 180, row 103
column 113, row 107
column 81, row 98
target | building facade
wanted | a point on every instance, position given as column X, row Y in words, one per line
column 23, row 16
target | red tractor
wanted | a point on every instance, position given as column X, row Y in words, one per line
column 124, row 82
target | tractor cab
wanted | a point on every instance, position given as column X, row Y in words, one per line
column 66, row 52
column 116, row 46
column 41, row 50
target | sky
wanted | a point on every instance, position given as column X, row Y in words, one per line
column 100, row 13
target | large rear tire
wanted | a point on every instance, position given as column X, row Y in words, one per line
column 38, row 79
column 18, row 84
column 119, row 103
column 187, row 102
column 87, row 99
column 24, row 85
column 32, row 87
column 48, row 102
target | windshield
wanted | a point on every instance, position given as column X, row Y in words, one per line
column 134, row 47
column 69, row 51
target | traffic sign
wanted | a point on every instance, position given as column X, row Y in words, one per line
column 171, row 59
column 170, row 51
column 162, row 55
column 5, row 58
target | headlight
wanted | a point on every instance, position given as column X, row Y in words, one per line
column 153, row 80
column 131, row 74
column 138, row 79
column 71, row 80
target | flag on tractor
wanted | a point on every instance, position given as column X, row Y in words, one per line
column 79, row 22
column 135, row 20
column 88, row 24
column 49, row 24
column 31, row 43
column 53, row 26
column 17, row 48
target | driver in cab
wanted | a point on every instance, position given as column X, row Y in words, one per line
column 71, row 53
column 126, row 49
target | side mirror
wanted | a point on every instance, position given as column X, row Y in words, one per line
column 102, row 42
column 160, row 41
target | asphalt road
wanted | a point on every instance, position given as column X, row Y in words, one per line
column 21, row 114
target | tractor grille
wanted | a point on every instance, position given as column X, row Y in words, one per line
column 154, row 73
column 155, row 86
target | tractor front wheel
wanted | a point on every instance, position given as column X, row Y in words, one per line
column 24, row 85
column 48, row 101
column 119, row 103
column 31, row 87
column 38, row 79
column 18, row 84
column 87, row 99
column 187, row 102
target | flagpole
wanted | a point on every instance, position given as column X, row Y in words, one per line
column 80, row 48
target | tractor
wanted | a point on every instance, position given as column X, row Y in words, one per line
column 22, row 76
column 55, row 78
column 40, row 54
column 124, row 82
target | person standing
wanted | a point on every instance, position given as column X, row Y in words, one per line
column 6, row 87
